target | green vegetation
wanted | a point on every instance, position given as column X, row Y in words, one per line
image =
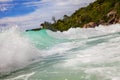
column 95, row 12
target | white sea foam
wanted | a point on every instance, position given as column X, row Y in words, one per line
column 77, row 33
column 100, row 57
column 15, row 51
column 95, row 51
column 22, row 77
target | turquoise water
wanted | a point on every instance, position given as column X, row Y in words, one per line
column 41, row 39
column 77, row 54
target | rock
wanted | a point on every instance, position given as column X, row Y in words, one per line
column 113, row 17
column 119, row 21
column 90, row 25
column 36, row 29
column 101, row 22
column 112, row 13
column 111, row 20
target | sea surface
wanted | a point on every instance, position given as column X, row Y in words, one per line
column 76, row 54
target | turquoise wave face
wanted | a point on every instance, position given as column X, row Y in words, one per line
column 42, row 39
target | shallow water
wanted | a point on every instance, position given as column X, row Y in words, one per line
column 77, row 54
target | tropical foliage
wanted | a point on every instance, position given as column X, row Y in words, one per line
column 93, row 13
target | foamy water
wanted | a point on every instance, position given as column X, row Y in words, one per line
column 77, row 54
column 15, row 50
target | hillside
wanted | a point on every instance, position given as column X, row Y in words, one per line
column 103, row 12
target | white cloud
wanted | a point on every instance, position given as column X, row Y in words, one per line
column 3, row 9
column 5, row 0
column 5, row 6
column 46, row 9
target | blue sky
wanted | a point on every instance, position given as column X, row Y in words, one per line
column 30, row 13
column 16, row 8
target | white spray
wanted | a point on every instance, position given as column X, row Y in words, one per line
column 15, row 51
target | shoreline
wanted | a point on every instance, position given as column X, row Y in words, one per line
column 100, row 12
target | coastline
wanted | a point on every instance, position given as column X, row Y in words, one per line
column 100, row 12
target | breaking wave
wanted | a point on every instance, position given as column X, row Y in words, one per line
column 76, row 54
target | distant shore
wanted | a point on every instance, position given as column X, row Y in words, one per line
column 100, row 12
